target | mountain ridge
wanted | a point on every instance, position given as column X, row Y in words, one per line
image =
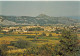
column 40, row 19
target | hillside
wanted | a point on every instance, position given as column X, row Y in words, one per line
column 40, row 19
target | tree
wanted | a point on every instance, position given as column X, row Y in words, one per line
column 68, row 44
column 35, row 29
column 0, row 29
column 43, row 34
column 36, row 37
column 50, row 35
column 4, row 32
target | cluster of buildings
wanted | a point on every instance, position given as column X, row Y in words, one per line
column 25, row 28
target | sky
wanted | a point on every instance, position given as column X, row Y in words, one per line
column 39, row 0
column 34, row 8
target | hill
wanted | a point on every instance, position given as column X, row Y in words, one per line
column 40, row 19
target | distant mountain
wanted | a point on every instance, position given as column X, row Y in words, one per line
column 43, row 16
column 40, row 19
column 74, row 17
column 6, row 22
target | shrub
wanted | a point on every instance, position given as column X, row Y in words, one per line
column 3, row 49
column 44, row 50
column 21, row 43
column 68, row 44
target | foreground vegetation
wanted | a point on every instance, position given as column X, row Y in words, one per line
column 45, row 44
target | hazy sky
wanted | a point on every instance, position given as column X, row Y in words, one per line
column 29, row 8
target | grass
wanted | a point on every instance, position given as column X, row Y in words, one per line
column 11, row 35
column 49, row 38
column 17, row 50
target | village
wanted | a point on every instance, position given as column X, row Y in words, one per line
column 30, row 29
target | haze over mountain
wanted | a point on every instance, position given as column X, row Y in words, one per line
column 40, row 19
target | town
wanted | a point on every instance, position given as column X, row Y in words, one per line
column 26, row 29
